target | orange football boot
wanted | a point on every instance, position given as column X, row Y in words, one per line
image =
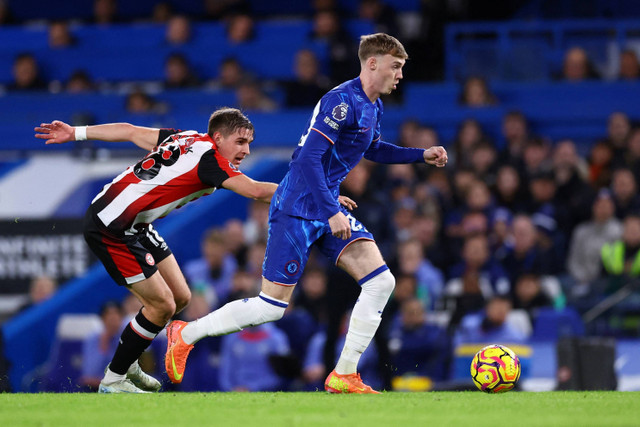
column 350, row 383
column 175, row 360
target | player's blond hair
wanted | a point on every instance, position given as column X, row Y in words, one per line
column 380, row 44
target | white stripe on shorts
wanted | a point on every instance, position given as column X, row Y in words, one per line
column 135, row 279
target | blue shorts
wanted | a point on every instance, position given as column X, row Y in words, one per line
column 290, row 241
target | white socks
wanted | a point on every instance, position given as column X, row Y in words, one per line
column 365, row 317
column 235, row 316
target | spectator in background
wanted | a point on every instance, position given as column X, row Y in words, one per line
column 483, row 162
column 41, row 288
column 621, row 259
column 528, row 295
column 468, row 136
column 162, row 12
column 407, row 132
column 245, row 359
column 583, row 261
column 178, row 73
column 250, row 97
column 217, row 10
column 237, row 245
column 256, row 227
column 632, row 156
column 429, row 280
column 213, row 272
column 139, row 102
column 600, row 159
column 26, row 74
column 476, row 93
column 328, row 28
column 230, row 75
column 309, row 85
column 536, row 156
column 477, row 261
column 618, row 128
column 6, row 18
column 419, row 348
column 625, row 193
column 572, row 189
column 523, row 255
column 59, row 35
column 313, row 295
column 509, row 192
column 629, row 65
column 491, row 326
column 80, row 82
column 577, row 66
column 105, row 12
column 97, row 349
column 178, row 30
column 515, row 131
column 240, row 29
column 380, row 14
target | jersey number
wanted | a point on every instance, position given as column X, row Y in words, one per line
column 354, row 225
column 149, row 167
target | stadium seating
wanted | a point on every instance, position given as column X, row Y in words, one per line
column 551, row 324
column 532, row 50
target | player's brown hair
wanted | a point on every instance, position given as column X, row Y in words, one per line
column 380, row 44
column 227, row 120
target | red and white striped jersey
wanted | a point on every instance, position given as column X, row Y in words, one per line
column 185, row 165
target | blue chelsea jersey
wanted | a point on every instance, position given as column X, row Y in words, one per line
column 343, row 126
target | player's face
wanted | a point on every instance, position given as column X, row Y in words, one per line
column 234, row 147
column 388, row 73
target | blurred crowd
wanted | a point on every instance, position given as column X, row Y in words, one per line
column 512, row 227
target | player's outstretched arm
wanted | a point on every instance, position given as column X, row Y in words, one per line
column 247, row 187
column 436, row 156
column 58, row 132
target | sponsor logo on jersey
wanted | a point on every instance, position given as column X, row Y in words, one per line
column 340, row 111
column 331, row 123
column 149, row 258
column 292, row 267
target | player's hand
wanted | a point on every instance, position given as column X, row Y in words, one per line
column 56, row 132
column 347, row 202
column 340, row 226
column 436, row 155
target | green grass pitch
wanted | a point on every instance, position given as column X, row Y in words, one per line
column 322, row 409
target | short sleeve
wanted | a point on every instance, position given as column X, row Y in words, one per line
column 214, row 169
column 166, row 133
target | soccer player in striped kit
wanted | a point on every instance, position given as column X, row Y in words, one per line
column 180, row 167
column 305, row 211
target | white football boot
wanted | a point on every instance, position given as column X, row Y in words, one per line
column 123, row 386
column 141, row 379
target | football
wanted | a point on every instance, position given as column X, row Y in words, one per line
column 495, row 369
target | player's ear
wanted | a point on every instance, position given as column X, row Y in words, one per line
column 372, row 63
column 217, row 137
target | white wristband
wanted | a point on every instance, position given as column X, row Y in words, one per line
column 81, row 133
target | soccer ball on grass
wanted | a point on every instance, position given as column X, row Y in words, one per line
column 495, row 369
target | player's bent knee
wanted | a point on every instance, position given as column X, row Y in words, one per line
column 182, row 300
column 271, row 310
column 163, row 309
column 383, row 284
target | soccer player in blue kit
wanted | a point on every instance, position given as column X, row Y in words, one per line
column 344, row 127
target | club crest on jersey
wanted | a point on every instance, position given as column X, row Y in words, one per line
column 292, row 267
column 340, row 111
column 149, row 258
column 232, row 166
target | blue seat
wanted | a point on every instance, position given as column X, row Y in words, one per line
column 550, row 324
